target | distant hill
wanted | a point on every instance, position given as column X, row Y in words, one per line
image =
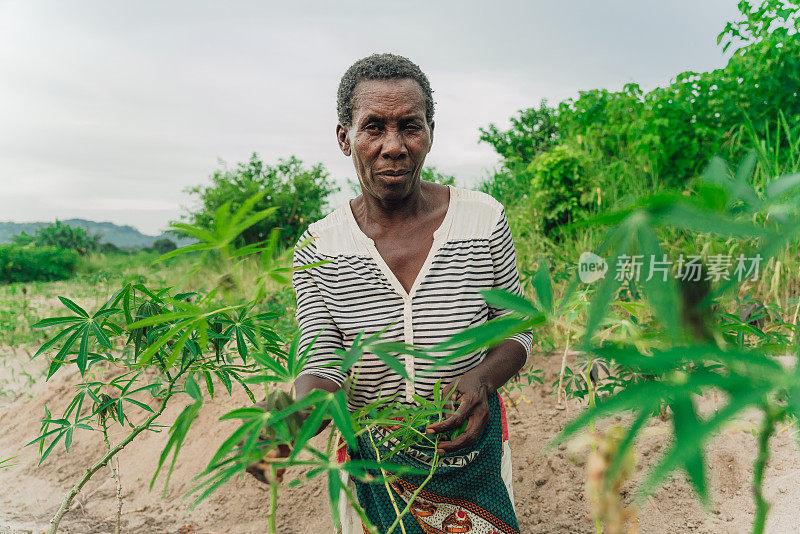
column 122, row 236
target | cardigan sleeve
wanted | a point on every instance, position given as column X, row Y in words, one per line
column 506, row 276
column 314, row 318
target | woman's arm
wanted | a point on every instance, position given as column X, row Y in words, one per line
column 305, row 384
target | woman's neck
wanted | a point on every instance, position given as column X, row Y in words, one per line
column 371, row 211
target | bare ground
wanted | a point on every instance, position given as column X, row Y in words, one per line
column 548, row 486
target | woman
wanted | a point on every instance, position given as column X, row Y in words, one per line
column 410, row 256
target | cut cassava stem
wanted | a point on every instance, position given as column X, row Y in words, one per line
column 273, row 501
column 388, row 488
column 104, row 460
column 115, row 475
column 560, row 391
column 598, row 528
column 405, row 511
column 762, row 506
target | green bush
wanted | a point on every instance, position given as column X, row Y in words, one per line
column 671, row 132
column 560, row 190
column 29, row 264
column 164, row 245
column 298, row 192
column 110, row 248
column 61, row 236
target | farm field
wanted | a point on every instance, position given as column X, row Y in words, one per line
column 548, row 486
column 656, row 235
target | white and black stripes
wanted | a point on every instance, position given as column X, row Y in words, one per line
column 472, row 250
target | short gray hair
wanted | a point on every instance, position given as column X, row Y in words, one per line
column 379, row 67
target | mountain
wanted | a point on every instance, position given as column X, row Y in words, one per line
column 122, row 236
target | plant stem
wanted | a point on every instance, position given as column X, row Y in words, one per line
column 560, row 390
column 416, row 492
column 104, row 460
column 115, row 476
column 388, row 490
column 273, row 501
column 762, row 506
column 598, row 528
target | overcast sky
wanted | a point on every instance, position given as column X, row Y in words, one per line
column 110, row 109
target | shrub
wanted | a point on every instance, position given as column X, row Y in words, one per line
column 61, row 236
column 560, row 190
column 298, row 192
column 164, row 245
column 29, row 264
column 673, row 131
column 109, row 248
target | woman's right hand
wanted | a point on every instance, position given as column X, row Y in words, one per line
column 262, row 470
column 277, row 399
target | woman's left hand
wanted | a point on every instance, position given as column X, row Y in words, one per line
column 472, row 395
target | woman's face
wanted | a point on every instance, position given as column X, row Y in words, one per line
column 389, row 136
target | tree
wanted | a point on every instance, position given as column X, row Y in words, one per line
column 61, row 236
column 300, row 194
column 534, row 131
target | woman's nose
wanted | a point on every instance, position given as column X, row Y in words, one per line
column 393, row 145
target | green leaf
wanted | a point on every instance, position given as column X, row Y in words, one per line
column 350, row 357
column 678, row 454
column 782, row 185
column 662, row 292
column 53, row 321
column 58, row 337
column 543, row 286
column 101, row 337
column 74, row 307
column 501, row 298
column 690, row 218
column 342, row 419
column 243, row 413
column 391, row 361
column 193, row 389
column 334, row 489
column 251, row 425
column 685, row 424
column 83, row 352
column 141, row 405
column 487, row 334
column 147, row 355
column 620, row 238
column 309, row 428
column 177, row 434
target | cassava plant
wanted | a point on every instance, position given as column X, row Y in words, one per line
column 682, row 343
column 681, row 355
column 145, row 347
column 150, row 346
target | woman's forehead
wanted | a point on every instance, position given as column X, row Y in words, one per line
column 394, row 98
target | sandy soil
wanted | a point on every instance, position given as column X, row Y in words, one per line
column 549, row 487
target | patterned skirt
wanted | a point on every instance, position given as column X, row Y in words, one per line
column 470, row 491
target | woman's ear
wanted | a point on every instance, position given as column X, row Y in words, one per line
column 343, row 139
